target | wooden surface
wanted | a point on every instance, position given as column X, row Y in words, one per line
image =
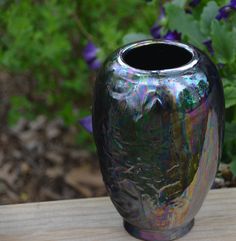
column 97, row 220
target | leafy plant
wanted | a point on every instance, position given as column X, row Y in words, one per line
column 213, row 22
column 45, row 43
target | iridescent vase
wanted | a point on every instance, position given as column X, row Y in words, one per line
column 158, row 121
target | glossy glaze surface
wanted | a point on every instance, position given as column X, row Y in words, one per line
column 159, row 138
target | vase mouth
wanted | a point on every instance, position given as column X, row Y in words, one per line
column 158, row 56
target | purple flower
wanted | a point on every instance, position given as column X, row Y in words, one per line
column 172, row 35
column 95, row 64
column 156, row 28
column 162, row 13
column 86, row 122
column 208, row 44
column 156, row 31
column 226, row 10
column 194, row 3
column 233, row 4
column 90, row 55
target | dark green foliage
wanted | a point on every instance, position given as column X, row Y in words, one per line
column 44, row 40
column 200, row 26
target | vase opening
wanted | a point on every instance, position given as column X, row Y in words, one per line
column 157, row 56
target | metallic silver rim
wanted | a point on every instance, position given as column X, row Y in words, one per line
column 182, row 68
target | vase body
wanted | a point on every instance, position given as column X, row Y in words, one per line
column 158, row 131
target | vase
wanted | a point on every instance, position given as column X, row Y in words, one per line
column 158, row 122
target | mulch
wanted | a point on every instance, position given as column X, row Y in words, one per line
column 39, row 161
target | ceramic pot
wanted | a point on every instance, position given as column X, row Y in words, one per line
column 158, row 120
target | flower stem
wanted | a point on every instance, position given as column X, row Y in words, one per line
column 83, row 30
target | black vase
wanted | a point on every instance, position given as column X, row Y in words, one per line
column 158, row 120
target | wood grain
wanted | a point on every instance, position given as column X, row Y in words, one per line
column 97, row 220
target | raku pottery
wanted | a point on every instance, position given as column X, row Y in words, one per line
column 158, row 120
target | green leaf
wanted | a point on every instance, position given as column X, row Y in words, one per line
column 184, row 23
column 78, row 86
column 223, row 42
column 233, row 166
column 132, row 37
column 230, row 130
column 208, row 15
column 227, row 82
column 179, row 3
column 230, row 96
column 68, row 113
column 20, row 106
column 232, row 18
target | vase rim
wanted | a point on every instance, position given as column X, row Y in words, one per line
column 182, row 68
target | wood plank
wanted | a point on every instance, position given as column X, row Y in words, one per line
column 97, row 220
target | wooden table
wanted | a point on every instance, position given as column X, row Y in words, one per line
column 96, row 219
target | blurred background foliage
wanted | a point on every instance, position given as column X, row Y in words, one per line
column 52, row 50
column 43, row 42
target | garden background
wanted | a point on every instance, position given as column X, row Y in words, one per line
column 50, row 52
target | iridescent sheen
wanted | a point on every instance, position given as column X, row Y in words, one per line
column 159, row 139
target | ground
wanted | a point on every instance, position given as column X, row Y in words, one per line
column 39, row 161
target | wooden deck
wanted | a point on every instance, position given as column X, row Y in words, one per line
column 97, row 220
